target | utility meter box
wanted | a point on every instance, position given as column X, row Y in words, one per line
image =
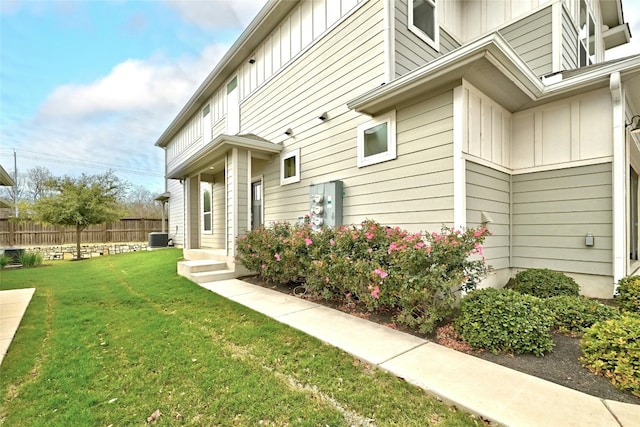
column 325, row 205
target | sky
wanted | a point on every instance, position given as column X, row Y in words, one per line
column 89, row 85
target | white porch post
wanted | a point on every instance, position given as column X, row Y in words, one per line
column 619, row 173
column 238, row 196
column 192, row 207
column 459, row 166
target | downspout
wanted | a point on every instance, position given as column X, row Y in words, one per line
column 618, row 180
column 389, row 40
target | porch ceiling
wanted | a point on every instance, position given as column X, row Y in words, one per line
column 215, row 150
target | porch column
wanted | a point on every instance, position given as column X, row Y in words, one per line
column 238, row 195
column 192, row 207
column 619, row 181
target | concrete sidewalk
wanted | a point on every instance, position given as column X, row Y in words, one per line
column 13, row 304
column 483, row 388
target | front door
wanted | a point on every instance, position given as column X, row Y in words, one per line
column 256, row 204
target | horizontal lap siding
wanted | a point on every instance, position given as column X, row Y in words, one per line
column 552, row 213
column 488, row 191
column 176, row 211
column 569, row 43
column 346, row 63
column 531, row 39
column 412, row 52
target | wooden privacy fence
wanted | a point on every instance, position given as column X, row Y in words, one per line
column 14, row 233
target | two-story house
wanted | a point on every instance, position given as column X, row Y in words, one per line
column 419, row 113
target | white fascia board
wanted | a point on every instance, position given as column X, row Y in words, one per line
column 220, row 145
column 492, row 47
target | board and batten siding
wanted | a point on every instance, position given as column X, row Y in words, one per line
column 488, row 190
column 552, row 213
column 347, row 62
column 412, row 52
column 176, row 211
column 532, row 40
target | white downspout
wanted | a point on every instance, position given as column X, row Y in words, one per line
column 618, row 180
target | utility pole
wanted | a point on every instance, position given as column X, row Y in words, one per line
column 15, row 183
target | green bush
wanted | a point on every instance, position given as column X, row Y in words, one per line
column 380, row 267
column 505, row 321
column 612, row 348
column 629, row 294
column 30, row 259
column 544, row 283
column 573, row 314
column 4, row 261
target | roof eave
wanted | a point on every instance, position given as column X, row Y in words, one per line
column 255, row 33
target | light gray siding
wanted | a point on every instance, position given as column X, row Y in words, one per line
column 531, row 39
column 552, row 213
column 488, row 190
column 569, row 42
column 410, row 51
column 176, row 211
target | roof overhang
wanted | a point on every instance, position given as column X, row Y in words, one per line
column 5, row 204
column 491, row 65
column 163, row 197
column 5, row 179
column 261, row 26
column 616, row 36
column 216, row 149
column 611, row 11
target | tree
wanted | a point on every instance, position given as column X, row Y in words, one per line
column 81, row 202
column 36, row 183
column 140, row 203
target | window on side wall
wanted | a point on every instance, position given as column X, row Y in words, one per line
column 377, row 140
column 207, row 207
column 423, row 21
column 290, row 167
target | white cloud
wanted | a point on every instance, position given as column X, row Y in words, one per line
column 217, row 14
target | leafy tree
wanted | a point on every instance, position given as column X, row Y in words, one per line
column 81, row 202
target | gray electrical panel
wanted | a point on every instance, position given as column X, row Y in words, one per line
column 325, row 205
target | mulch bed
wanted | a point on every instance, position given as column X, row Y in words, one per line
column 562, row 366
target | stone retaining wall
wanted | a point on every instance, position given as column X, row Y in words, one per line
column 50, row 253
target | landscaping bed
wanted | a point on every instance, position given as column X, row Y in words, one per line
column 562, row 366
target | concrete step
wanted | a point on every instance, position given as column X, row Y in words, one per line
column 212, row 276
column 200, row 265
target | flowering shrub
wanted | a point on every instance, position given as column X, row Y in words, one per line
column 629, row 294
column 416, row 275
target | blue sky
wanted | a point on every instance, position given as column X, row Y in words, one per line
column 89, row 85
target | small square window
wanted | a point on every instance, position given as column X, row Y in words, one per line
column 290, row 167
column 377, row 140
column 423, row 21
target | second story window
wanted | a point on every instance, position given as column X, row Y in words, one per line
column 586, row 36
column 423, row 21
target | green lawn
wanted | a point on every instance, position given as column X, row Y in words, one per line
column 108, row 341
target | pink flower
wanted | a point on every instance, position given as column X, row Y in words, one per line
column 479, row 232
column 332, row 242
column 326, row 280
column 277, row 257
column 376, row 292
column 308, row 241
column 393, row 247
column 369, row 235
column 478, row 249
column 419, row 245
column 380, row 273
column 369, row 250
column 428, row 250
column 263, row 266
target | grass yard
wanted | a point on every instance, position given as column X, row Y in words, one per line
column 109, row 341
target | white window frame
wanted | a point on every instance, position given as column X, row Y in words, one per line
column 295, row 178
column 390, row 154
column 204, row 186
column 584, row 39
column 435, row 42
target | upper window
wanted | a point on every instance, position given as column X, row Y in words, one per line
column 586, row 36
column 377, row 140
column 423, row 21
column 207, row 207
column 290, row 167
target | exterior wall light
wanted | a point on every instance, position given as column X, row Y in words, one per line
column 634, row 124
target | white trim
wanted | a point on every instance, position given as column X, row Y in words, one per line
column 556, row 37
column 435, row 42
column 619, row 172
column 204, row 186
column 249, row 192
column 284, row 156
column 459, row 166
column 254, row 179
column 389, row 41
column 391, row 153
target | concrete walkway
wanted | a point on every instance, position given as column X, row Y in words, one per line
column 13, row 304
column 483, row 388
